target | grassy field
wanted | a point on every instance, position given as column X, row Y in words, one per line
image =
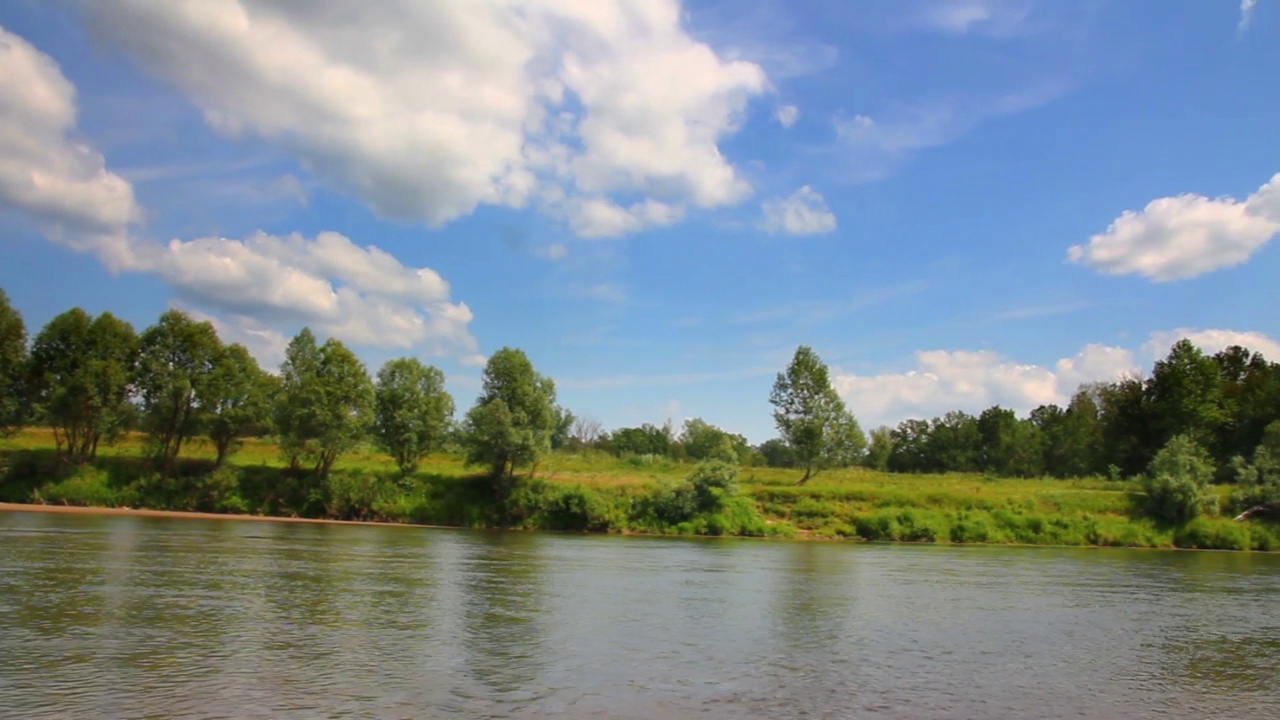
column 597, row 492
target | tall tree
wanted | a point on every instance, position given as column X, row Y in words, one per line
column 1010, row 447
column 879, row 449
column 13, row 366
column 81, row 368
column 238, row 399
column 175, row 360
column 1185, row 395
column 513, row 419
column 811, row 417
column 412, row 411
column 345, row 411
column 297, row 404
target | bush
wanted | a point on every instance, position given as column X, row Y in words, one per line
column 1177, row 482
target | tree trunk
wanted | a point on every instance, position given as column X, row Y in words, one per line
column 1268, row 509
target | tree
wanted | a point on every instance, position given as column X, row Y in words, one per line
column 880, row 449
column 345, row 411
column 704, row 441
column 175, row 359
column 238, row 399
column 647, row 439
column 561, row 434
column 585, row 431
column 1185, row 395
column 1010, row 447
column 326, row 402
column 412, row 411
column 299, row 398
column 1259, row 482
column 80, row 368
column 512, row 421
column 13, row 367
column 1177, row 482
column 777, row 453
column 810, row 416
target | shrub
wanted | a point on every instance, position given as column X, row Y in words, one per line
column 1177, row 482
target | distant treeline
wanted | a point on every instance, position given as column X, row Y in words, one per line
column 1222, row 402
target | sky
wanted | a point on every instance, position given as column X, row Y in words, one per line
column 956, row 203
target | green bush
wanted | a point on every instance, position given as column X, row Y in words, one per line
column 87, row 486
column 1177, row 482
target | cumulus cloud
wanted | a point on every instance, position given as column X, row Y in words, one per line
column 361, row 295
column 46, row 171
column 787, row 115
column 1212, row 341
column 429, row 110
column 944, row 380
column 1180, row 237
column 804, row 212
column 601, row 217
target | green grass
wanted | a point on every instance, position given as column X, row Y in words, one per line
column 595, row 492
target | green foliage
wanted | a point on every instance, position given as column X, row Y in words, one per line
column 704, row 441
column 1259, row 481
column 80, row 371
column 176, row 358
column 412, row 411
column 514, row 418
column 879, row 449
column 326, row 402
column 238, row 399
column 1185, row 396
column 13, row 367
column 811, row 418
column 644, row 440
column 777, row 453
column 1177, row 482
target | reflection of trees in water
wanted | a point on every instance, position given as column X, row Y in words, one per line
column 810, row 670
column 502, row 578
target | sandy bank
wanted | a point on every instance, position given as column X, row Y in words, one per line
column 77, row 510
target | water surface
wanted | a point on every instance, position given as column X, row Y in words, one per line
column 128, row 617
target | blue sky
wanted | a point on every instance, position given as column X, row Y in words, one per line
column 956, row 203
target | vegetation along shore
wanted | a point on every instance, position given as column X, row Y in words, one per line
column 94, row 414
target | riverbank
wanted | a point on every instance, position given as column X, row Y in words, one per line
column 186, row 515
column 597, row 493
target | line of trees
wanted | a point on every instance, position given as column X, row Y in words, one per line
column 91, row 378
column 1223, row 403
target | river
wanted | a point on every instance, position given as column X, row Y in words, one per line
column 131, row 617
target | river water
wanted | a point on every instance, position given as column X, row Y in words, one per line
column 129, row 617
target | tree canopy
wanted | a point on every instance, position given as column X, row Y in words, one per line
column 811, row 418
column 514, row 417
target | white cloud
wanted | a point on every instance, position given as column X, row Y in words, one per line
column 601, row 217
column 45, row 170
column 944, row 380
column 1179, row 237
column 787, row 115
column 804, row 212
column 1212, row 341
column 1246, row 14
column 361, row 295
column 428, row 110
column 265, row 343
